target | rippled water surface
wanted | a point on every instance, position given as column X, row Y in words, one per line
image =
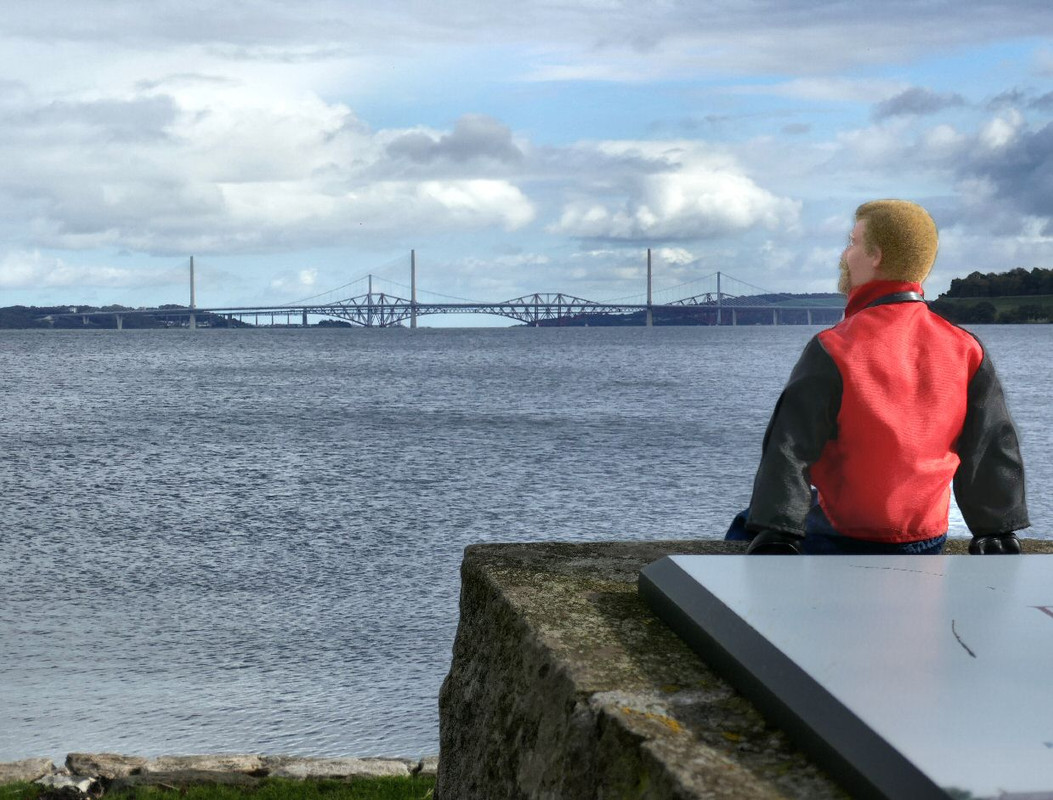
column 249, row 541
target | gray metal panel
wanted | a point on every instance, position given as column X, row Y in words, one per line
column 901, row 674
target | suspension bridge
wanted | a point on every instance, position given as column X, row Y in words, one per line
column 716, row 299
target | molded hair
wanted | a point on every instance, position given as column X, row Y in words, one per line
column 905, row 234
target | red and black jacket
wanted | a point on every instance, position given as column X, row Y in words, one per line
column 881, row 413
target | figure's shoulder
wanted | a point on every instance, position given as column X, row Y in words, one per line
column 967, row 340
column 912, row 324
column 839, row 336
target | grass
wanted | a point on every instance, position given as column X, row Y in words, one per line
column 1004, row 303
column 415, row 788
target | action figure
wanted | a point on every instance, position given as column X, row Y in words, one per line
column 881, row 413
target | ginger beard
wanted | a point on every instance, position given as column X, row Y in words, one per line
column 844, row 279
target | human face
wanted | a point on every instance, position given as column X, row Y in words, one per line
column 857, row 266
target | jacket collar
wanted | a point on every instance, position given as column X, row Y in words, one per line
column 862, row 296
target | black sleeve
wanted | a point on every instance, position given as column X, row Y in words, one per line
column 805, row 418
column 989, row 483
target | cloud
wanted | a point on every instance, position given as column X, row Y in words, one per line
column 689, row 194
column 270, row 127
column 33, row 270
column 1043, row 103
column 826, row 89
column 1021, row 98
column 1017, row 165
column 1010, row 98
column 997, row 177
column 477, row 202
column 297, row 282
column 109, row 120
column 475, row 136
column 675, row 255
column 1000, row 131
column 916, row 101
column 212, row 168
column 588, row 39
column 944, row 140
column 897, row 148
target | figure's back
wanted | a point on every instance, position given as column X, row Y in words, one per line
column 905, row 374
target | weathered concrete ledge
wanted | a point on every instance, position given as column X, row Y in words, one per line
column 564, row 685
column 82, row 770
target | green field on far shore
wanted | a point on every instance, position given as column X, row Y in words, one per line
column 1004, row 303
column 1007, row 309
column 415, row 788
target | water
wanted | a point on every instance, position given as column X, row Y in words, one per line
column 249, row 541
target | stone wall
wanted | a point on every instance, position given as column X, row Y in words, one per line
column 83, row 770
column 563, row 684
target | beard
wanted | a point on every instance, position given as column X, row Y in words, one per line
column 844, row 279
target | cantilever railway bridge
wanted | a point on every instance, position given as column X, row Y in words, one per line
column 713, row 306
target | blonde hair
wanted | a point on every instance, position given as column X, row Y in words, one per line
column 904, row 233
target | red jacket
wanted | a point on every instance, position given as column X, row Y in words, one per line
column 881, row 413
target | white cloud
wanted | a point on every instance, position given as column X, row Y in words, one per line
column 297, row 282
column 827, row 89
column 475, row 202
column 509, row 262
column 944, row 139
column 215, row 166
column 674, row 255
column 1001, row 130
column 572, row 40
column 339, row 128
column 967, row 248
column 1044, row 61
column 693, row 195
column 32, row 270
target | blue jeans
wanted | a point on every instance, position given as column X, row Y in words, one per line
column 820, row 538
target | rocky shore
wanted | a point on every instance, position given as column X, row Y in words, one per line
column 89, row 773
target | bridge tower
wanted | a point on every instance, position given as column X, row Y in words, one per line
column 720, row 299
column 193, row 302
column 650, row 311
column 413, row 287
column 369, row 302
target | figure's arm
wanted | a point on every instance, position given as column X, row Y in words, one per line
column 989, row 483
column 805, row 418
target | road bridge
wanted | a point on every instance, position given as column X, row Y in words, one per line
column 385, row 311
column 712, row 306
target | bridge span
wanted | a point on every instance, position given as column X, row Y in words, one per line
column 538, row 310
column 712, row 306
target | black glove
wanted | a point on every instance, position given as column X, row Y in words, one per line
column 1000, row 544
column 775, row 543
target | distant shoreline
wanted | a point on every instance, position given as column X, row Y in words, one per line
column 978, row 310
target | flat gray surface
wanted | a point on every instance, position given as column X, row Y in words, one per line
column 948, row 658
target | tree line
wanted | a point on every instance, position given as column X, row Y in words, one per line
column 1016, row 296
column 1015, row 283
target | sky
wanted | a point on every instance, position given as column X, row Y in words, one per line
column 292, row 148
